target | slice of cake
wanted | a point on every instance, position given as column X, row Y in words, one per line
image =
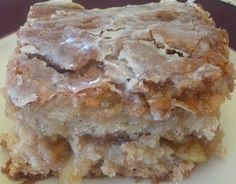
column 127, row 91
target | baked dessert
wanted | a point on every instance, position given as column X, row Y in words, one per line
column 127, row 91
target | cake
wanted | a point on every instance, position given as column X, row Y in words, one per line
column 130, row 91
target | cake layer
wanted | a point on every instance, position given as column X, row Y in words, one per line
column 60, row 117
column 76, row 157
column 105, row 110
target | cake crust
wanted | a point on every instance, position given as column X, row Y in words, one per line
column 142, row 50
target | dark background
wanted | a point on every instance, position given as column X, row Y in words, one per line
column 13, row 13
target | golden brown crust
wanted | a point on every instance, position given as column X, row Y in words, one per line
column 21, row 177
column 180, row 45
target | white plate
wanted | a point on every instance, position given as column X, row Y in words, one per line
column 217, row 171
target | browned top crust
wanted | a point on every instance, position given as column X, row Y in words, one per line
column 169, row 53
